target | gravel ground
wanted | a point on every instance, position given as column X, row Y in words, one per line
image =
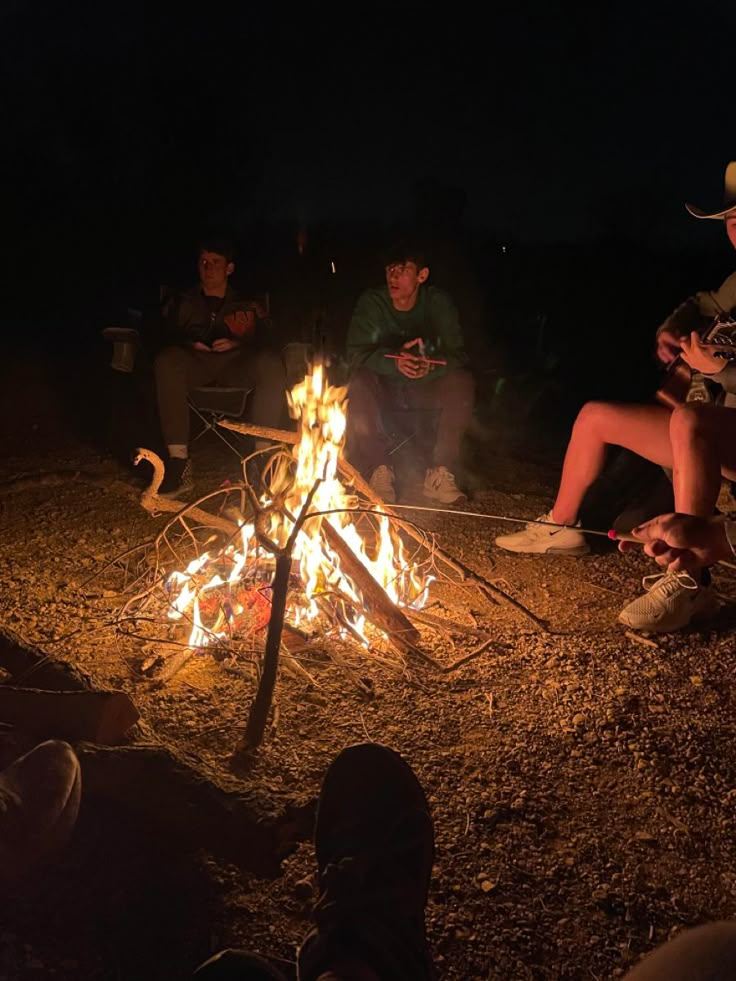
column 582, row 779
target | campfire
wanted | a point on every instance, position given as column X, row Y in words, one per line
column 317, row 561
column 338, row 548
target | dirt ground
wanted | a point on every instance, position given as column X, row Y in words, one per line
column 582, row 778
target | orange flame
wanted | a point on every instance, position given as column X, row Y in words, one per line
column 320, row 409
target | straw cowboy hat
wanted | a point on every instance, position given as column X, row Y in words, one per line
column 729, row 197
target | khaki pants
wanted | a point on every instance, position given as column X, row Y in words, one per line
column 179, row 369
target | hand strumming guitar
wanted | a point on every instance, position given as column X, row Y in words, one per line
column 413, row 365
column 708, row 359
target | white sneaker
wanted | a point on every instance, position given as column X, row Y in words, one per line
column 539, row 539
column 382, row 484
column 672, row 600
column 440, row 486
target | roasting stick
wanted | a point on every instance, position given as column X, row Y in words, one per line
column 612, row 534
column 289, row 437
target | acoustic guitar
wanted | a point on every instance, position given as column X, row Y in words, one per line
column 681, row 383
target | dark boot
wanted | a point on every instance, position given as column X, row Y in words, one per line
column 374, row 843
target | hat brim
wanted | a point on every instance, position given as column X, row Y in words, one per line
column 700, row 213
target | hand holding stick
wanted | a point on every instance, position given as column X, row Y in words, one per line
column 681, row 542
column 398, row 357
column 413, row 365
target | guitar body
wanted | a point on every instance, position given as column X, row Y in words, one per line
column 676, row 385
column 675, row 388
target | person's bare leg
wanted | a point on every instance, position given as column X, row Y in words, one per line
column 703, row 440
column 643, row 429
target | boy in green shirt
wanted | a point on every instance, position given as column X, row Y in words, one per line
column 406, row 351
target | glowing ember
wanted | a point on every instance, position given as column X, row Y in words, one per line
column 223, row 588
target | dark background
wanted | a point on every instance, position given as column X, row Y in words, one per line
column 546, row 155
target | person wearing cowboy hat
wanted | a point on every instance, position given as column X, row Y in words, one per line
column 694, row 440
column 707, row 304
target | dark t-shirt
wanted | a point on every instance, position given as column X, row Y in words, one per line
column 191, row 316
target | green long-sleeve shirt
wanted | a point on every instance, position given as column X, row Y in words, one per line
column 377, row 329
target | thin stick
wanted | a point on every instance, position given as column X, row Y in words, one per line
column 469, row 656
column 363, row 487
column 258, row 715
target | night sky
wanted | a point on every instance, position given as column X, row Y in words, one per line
column 121, row 125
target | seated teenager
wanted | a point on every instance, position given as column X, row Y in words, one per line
column 695, row 440
column 213, row 337
column 406, row 350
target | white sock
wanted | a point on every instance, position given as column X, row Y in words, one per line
column 178, row 451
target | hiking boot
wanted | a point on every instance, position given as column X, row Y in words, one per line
column 540, row 539
column 672, row 601
column 39, row 803
column 382, row 484
column 178, row 478
column 440, row 486
column 374, row 844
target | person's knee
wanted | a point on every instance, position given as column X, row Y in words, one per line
column 690, row 421
column 594, row 417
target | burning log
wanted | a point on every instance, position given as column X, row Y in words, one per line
column 354, row 478
column 378, row 607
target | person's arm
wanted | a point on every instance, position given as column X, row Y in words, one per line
column 450, row 343
column 723, row 300
column 370, row 338
column 693, row 315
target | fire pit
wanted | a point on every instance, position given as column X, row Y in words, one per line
column 316, row 556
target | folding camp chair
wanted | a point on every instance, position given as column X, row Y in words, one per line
column 213, row 403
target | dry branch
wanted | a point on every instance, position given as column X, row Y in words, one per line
column 258, row 714
column 363, row 487
column 154, row 504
